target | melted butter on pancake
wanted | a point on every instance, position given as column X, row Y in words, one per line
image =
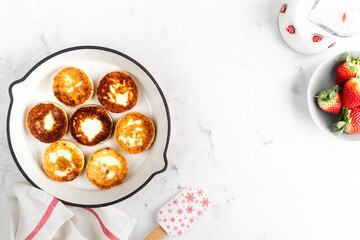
column 135, row 139
column 109, row 161
column 105, row 163
column 62, row 173
column 116, row 96
column 49, row 122
column 110, row 175
column 59, row 153
column 91, row 128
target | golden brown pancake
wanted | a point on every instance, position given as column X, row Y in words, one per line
column 91, row 125
column 117, row 92
column 106, row 168
column 73, row 87
column 47, row 122
column 134, row 133
column 63, row 161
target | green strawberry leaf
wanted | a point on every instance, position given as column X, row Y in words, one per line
column 349, row 58
column 340, row 60
column 347, row 114
column 338, row 131
column 358, row 74
column 340, row 124
column 332, row 94
column 322, row 96
column 328, row 94
column 341, row 115
column 352, row 68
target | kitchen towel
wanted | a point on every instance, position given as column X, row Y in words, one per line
column 31, row 213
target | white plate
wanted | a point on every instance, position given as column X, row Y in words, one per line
column 36, row 87
column 322, row 79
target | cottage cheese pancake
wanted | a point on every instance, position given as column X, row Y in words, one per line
column 63, row 161
column 47, row 122
column 73, row 87
column 91, row 125
column 106, row 168
column 134, row 133
column 117, row 92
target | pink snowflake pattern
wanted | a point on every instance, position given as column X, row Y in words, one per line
column 190, row 209
column 179, row 211
column 183, row 210
column 205, row 202
column 190, row 197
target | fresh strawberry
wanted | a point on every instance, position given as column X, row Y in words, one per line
column 330, row 100
column 347, row 70
column 290, row 29
column 351, row 93
column 349, row 121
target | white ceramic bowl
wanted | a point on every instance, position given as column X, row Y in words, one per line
column 322, row 79
column 36, row 86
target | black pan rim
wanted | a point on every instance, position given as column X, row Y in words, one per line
column 96, row 48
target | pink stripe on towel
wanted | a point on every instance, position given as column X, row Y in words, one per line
column 104, row 229
column 43, row 220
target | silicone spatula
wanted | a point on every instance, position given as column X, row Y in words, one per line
column 180, row 213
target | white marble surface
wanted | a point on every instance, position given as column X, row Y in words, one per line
column 237, row 98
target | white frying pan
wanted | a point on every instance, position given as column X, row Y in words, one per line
column 36, row 86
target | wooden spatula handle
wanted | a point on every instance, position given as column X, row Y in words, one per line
column 157, row 234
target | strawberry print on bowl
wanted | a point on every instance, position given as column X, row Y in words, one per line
column 290, row 29
column 317, row 37
column 283, row 8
